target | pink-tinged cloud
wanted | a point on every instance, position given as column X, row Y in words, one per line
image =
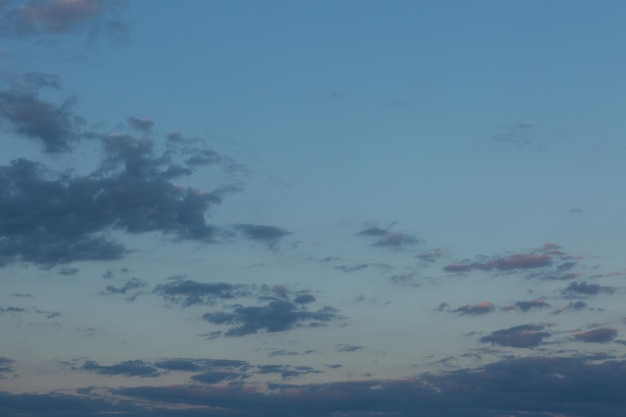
column 519, row 261
column 522, row 261
column 475, row 309
column 523, row 336
column 526, row 305
column 36, row 17
column 601, row 335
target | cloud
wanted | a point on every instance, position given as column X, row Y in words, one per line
column 188, row 292
column 533, row 386
column 523, row 336
column 389, row 239
column 475, row 309
column 216, row 377
column 48, row 218
column 351, row 268
column 578, row 305
column 54, row 17
column 343, row 347
column 127, row 368
column 431, row 256
column 286, row 371
column 54, row 125
column 268, row 234
column 131, row 284
column 143, row 125
column 517, row 134
column 508, row 263
column 6, row 366
column 601, row 335
column 527, row 305
column 195, row 365
column 275, row 316
column 585, row 288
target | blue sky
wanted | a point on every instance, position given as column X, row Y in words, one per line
column 323, row 208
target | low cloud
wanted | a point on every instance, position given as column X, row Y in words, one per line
column 143, row 125
column 54, row 17
column 525, row 306
column 27, row 115
column 601, row 335
column 475, row 309
column 508, row 263
column 6, row 366
column 275, row 316
column 50, row 219
column 585, row 288
column 388, row 238
column 187, row 292
column 127, row 368
column 523, row 336
column 262, row 233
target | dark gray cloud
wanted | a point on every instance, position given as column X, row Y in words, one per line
column 304, row 298
column 268, row 234
column 351, row 268
column 127, row 368
column 143, row 125
column 129, row 286
column 475, row 309
column 585, row 288
column 537, row 303
column 508, row 263
column 286, row 371
column 215, row 377
column 523, row 336
column 188, row 292
column 388, row 238
column 12, row 310
column 53, row 17
column 530, row 387
column 196, row 365
column 49, row 218
column 601, row 335
column 343, row 347
column 53, row 125
column 577, row 306
column 430, row 256
column 68, row 271
column 275, row 316
column 6, row 366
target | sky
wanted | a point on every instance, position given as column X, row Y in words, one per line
column 326, row 209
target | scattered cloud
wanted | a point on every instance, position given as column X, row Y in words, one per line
column 268, row 234
column 50, row 218
column 585, row 288
column 475, row 309
column 130, row 285
column 352, row 268
column 187, row 292
column 601, row 335
column 127, row 368
column 343, row 347
column 54, row 17
column 275, row 316
column 537, row 303
column 143, row 125
column 52, row 124
column 523, row 336
column 389, row 239
column 508, row 263
column 6, row 366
